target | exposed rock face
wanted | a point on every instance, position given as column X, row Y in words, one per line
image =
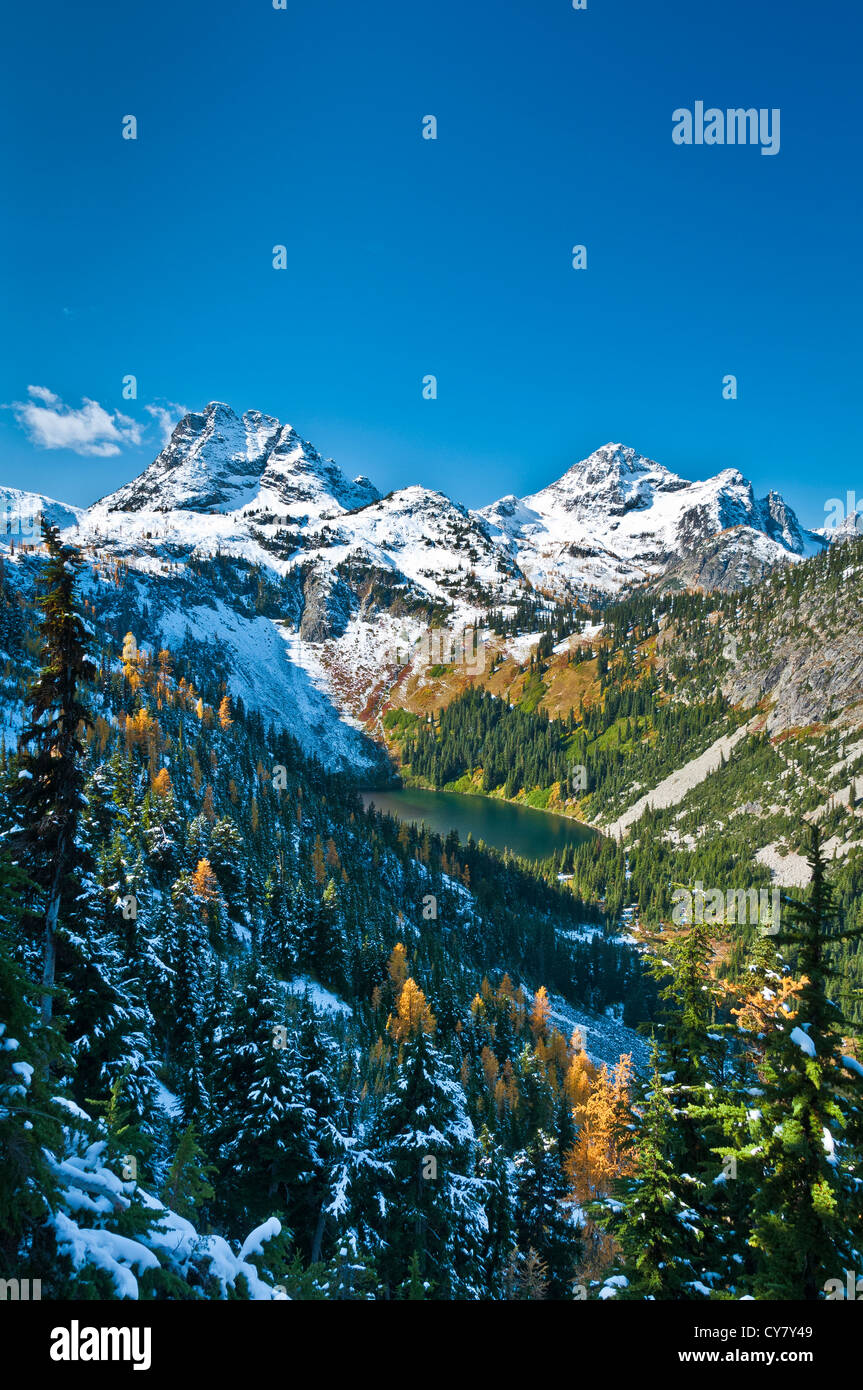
column 726, row 562
column 804, row 655
column 806, row 682
column 327, row 608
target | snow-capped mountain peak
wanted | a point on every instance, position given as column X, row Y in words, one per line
column 217, row 461
column 21, row 514
column 320, row 579
column 617, row 517
column 615, row 479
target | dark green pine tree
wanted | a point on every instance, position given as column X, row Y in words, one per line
column 692, row 1043
column 658, row 1231
column 30, row 1122
column 187, row 1024
column 227, row 855
column 545, row 1220
column 318, row 1060
column 273, row 1154
column 249, row 1031
column 695, row 1081
column 109, row 1029
column 278, row 936
column 328, row 950
column 431, row 1207
column 48, row 795
column 187, row 1186
column 496, row 1171
column 807, row 1202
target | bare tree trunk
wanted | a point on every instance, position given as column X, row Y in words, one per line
column 319, row 1234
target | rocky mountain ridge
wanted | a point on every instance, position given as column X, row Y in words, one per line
column 317, row 589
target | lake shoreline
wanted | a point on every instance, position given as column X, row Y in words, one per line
column 526, row 831
column 453, row 789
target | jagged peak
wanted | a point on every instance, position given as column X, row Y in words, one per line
column 217, row 460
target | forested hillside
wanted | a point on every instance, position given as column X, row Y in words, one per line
column 259, row 1042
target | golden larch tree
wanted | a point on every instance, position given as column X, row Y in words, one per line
column 318, row 861
column 397, row 968
column 161, row 785
column 413, row 1014
column 540, row 1013
column 205, row 885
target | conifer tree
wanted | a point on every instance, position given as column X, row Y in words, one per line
column 248, row 1034
column 546, row 1221
column 498, row 1175
column 109, row 1029
column 30, row 1120
column 652, row 1219
column 807, row 1200
column 49, row 784
column 187, row 1021
column 187, row 1187
column 423, row 1135
column 272, row 1156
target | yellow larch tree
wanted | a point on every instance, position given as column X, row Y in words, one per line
column 602, row 1153
column 540, row 1013
column 580, row 1076
column 131, row 660
column 491, row 1067
column 397, row 969
column 161, row 784
column 205, row 885
column 412, row 1015
column 318, row 861
column 603, row 1150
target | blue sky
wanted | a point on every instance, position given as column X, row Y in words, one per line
column 453, row 257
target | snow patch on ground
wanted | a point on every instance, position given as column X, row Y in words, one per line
column 605, row 1039
column 323, row 1001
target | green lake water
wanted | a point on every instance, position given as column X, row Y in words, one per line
column 528, row 833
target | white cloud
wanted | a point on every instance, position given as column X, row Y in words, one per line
column 43, row 394
column 166, row 417
column 88, row 430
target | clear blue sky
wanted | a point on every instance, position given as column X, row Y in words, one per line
column 259, row 126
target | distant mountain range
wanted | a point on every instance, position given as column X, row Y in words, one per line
column 345, row 576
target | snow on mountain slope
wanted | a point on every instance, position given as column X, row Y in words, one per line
column 847, row 529
column 616, row 518
column 20, row 513
column 351, row 581
column 424, row 536
column 266, row 675
column 217, row 461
